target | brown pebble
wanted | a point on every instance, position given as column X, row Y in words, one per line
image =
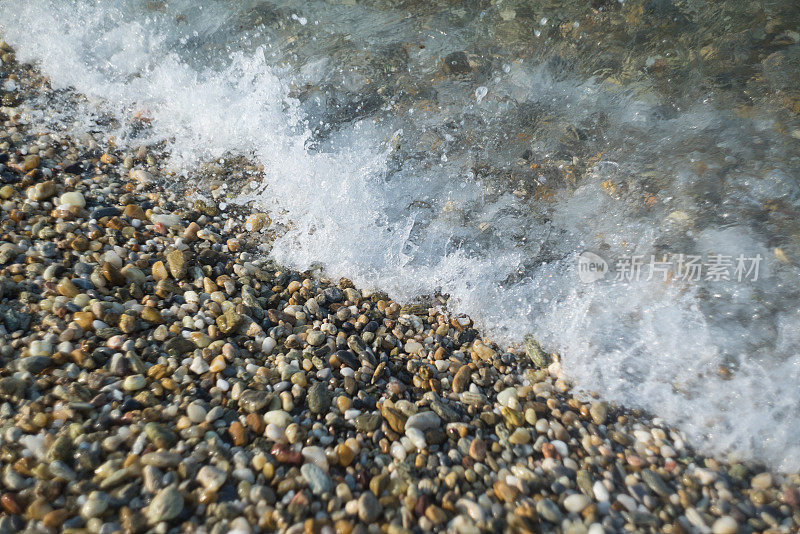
column 159, row 271
column 190, row 234
column 55, row 518
column 435, row 514
column 80, row 243
column 395, row 419
column 151, row 314
column 9, row 503
column 38, row 509
column 343, row 527
column 238, row 433
column 256, row 423
column 135, row 211
column 68, row 289
column 477, row 449
column 379, row 483
column 549, row 451
column 285, row 455
column 345, row 454
column 505, row 492
column 127, row 323
column 84, row 319
column 461, row 379
column 31, row 162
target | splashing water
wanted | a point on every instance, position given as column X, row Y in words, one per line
column 435, row 150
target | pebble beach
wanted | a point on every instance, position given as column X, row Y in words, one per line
column 159, row 373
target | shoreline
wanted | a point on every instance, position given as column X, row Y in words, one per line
column 156, row 373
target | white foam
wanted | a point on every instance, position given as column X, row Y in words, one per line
column 429, row 225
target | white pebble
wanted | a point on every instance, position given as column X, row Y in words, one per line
column 627, row 501
column 278, row 418
column 113, row 258
column 275, row 433
column 705, row 476
column 72, row 198
column 576, row 502
column 268, row 345
column 196, row 412
column 417, row 437
column 199, row 366
column 505, row 397
column 398, row 451
column 561, row 448
column 600, row 491
column 316, row 456
column 725, row 525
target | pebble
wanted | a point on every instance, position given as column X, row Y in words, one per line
column 278, row 418
column 600, row 492
column 72, row 198
column 576, row 502
column 319, row 399
column 656, row 483
column 762, row 481
column 95, row 504
column 367, row 422
column 507, row 397
column 196, row 412
column 254, row 401
column 211, row 478
column 417, row 437
column 317, row 479
column 705, row 476
column 725, row 525
column 368, row 507
column 166, row 505
column 316, row 455
column 134, row 382
column 315, row 338
column 199, row 366
column 423, row 421
column 549, row 511
column 413, row 347
column 599, row 412
column 477, row 449
column 520, row 436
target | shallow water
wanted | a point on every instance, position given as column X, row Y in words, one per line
column 476, row 151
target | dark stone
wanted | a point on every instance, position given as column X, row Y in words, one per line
column 319, row 398
column 254, row 401
column 83, row 283
column 35, row 364
column 348, row 358
column 367, row 422
column 445, row 412
column 210, row 257
column 104, row 211
column 180, row 345
column 15, row 320
column 333, row 294
column 457, row 63
column 9, row 178
column 75, row 168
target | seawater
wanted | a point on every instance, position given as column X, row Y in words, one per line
column 477, row 150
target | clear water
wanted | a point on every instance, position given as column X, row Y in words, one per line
column 475, row 151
